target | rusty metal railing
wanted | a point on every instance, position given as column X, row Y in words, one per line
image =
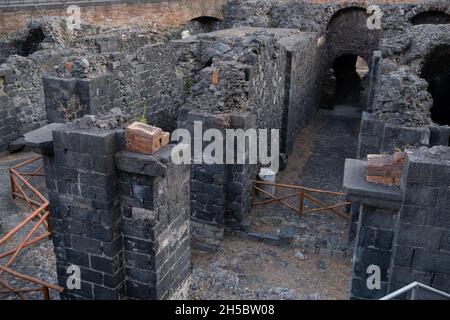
column 22, row 189
column 302, row 194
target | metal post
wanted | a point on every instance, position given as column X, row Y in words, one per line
column 301, row 201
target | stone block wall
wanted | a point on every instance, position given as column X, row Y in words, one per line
column 155, row 212
column 84, row 213
column 315, row 15
column 136, row 83
column 402, row 230
column 130, row 69
column 376, row 137
column 121, row 217
column 422, row 250
column 265, row 68
column 22, row 95
column 302, row 85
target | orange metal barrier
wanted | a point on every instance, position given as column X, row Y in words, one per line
column 22, row 189
column 302, row 193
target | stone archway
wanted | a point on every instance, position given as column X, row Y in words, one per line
column 203, row 24
column 347, row 35
column 436, row 70
column 32, row 41
column 431, row 17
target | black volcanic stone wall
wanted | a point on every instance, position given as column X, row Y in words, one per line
column 121, row 217
column 85, row 214
column 403, row 230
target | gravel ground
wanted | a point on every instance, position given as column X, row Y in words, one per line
column 244, row 269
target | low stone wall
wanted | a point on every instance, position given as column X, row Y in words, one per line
column 377, row 137
column 137, row 83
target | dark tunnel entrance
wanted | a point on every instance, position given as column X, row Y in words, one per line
column 203, row 24
column 32, row 42
column 349, row 70
column 345, row 82
column 436, row 70
column 431, row 17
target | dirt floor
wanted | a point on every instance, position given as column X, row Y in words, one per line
column 244, row 269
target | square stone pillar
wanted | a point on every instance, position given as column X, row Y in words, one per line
column 72, row 98
column 378, row 215
column 154, row 196
column 422, row 244
column 239, row 179
column 207, row 184
column 220, row 193
column 85, row 216
column 120, row 218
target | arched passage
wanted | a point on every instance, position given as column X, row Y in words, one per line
column 431, row 17
column 32, row 41
column 347, row 37
column 203, row 24
column 347, row 33
column 436, row 70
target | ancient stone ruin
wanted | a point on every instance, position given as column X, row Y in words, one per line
column 358, row 95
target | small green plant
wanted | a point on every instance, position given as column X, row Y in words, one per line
column 187, row 87
column 143, row 118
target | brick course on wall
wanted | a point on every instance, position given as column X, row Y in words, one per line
column 161, row 13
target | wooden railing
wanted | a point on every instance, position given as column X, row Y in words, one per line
column 22, row 189
column 302, row 194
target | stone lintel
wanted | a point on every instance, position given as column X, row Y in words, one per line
column 41, row 140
